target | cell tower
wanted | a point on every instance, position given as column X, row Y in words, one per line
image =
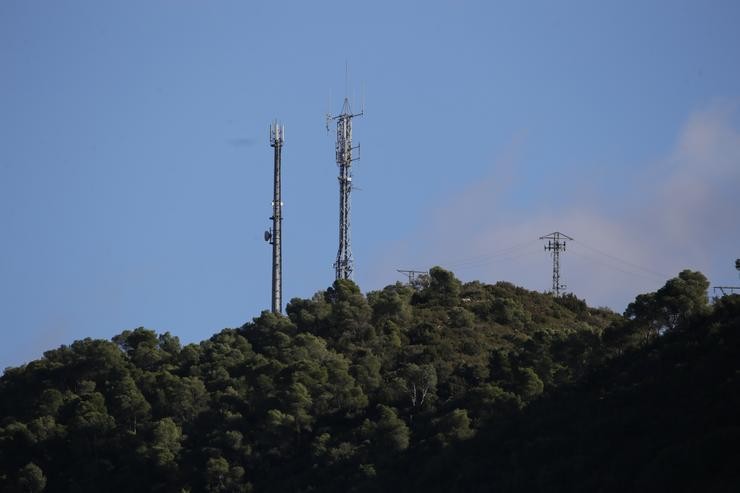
column 343, row 265
column 274, row 235
column 556, row 244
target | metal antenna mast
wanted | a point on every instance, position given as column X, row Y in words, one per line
column 343, row 265
column 274, row 235
column 556, row 244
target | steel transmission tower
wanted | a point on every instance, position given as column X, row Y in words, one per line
column 413, row 275
column 274, row 235
column 343, row 265
column 731, row 289
column 417, row 278
column 556, row 244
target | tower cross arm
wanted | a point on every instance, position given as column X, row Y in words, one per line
column 556, row 236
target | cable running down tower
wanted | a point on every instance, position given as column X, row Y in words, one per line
column 274, row 235
column 343, row 265
column 556, row 244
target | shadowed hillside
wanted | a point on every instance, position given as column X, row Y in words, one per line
column 438, row 387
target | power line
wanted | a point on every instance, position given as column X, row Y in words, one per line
column 507, row 256
column 486, row 257
column 595, row 260
column 626, row 262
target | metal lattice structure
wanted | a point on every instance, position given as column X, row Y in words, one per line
column 417, row 278
column 556, row 244
column 725, row 290
column 274, row 235
column 343, row 266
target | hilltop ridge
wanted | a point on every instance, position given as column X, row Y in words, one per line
column 445, row 386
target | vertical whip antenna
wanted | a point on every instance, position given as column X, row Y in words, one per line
column 556, row 244
column 343, row 266
column 274, row 235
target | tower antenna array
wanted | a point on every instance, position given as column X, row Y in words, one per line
column 343, row 265
column 556, row 244
column 274, row 235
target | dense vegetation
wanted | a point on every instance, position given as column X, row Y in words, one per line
column 441, row 386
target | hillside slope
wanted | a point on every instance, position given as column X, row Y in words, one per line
column 442, row 387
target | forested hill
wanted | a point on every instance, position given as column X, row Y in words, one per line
column 442, row 386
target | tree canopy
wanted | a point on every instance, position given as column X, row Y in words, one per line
column 440, row 386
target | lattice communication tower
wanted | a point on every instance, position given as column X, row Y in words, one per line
column 343, row 266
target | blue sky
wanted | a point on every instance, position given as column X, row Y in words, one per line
column 135, row 170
